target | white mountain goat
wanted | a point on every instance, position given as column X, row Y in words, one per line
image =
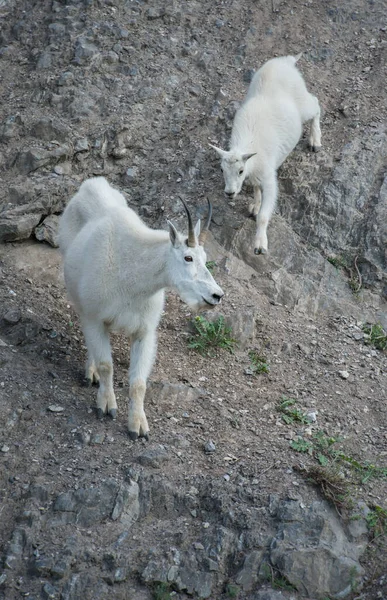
column 116, row 269
column 266, row 128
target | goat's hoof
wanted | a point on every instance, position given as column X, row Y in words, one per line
column 133, row 435
column 113, row 413
column 258, row 251
column 100, row 413
column 145, row 436
column 316, row 148
column 88, row 382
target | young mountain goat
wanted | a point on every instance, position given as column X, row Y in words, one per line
column 266, row 128
column 116, row 269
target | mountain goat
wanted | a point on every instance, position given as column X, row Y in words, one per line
column 116, row 269
column 266, row 128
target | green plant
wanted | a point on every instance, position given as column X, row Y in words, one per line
column 210, row 264
column 210, row 335
column 258, row 363
column 377, row 521
column 232, row 590
column 338, row 261
column 290, row 413
column 301, row 445
column 281, row 583
column 376, row 336
column 161, row 591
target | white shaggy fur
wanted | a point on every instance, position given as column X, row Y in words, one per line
column 116, row 269
column 266, row 128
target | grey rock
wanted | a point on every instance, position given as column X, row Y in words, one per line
column 312, row 550
column 12, row 316
column 66, row 78
column 35, row 158
column 155, row 12
column 10, row 127
column 44, row 60
column 48, row 231
column 49, row 129
column 42, row 566
column 154, row 457
column 194, row 581
column 12, row 229
column 97, row 438
column 86, row 506
column 85, row 585
column 84, row 51
column 209, row 447
column 81, row 145
column 242, row 325
column 127, row 505
column 60, row 569
column 248, row 575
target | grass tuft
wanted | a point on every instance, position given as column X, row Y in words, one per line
column 211, row 335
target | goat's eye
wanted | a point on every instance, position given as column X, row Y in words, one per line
column 240, row 171
column 188, row 258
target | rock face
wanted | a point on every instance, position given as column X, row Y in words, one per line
column 313, row 552
column 344, row 215
column 134, row 91
column 306, row 544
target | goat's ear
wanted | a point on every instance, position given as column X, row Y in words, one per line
column 218, row 150
column 174, row 236
column 197, row 229
column 246, row 157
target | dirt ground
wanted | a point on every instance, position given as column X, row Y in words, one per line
column 42, row 350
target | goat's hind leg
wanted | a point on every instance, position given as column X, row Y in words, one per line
column 99, row 366
column 142, row 356
column 311, row 110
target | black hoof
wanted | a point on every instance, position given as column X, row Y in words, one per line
column 100, row 413
column 258, row 251
column 133, row 435
column 316, row 148
column 88, row 382
column 113, row 413
column 145, row 436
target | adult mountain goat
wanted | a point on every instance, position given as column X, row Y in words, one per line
column 116, row 269
column 266, row 128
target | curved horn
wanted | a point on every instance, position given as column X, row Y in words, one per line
column 191, row 242
column 203, row 233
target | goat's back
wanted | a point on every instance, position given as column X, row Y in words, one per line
column 94, row 200
column 277, row 76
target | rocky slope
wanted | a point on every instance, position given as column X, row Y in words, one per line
column 217, row 503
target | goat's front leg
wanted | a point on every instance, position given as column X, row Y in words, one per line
column 142, row 356
column 269, row 197
column 99, row 366
column 256, row 205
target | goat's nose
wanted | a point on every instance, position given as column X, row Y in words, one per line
column 229, row 194
column 217, row 297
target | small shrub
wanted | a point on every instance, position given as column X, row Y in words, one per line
column 232, row 590
column 377, row 521
column 211, row 264
column 291, row 413
column 162, row 591
column 211, row 335
column 258, row 363
column 376, row 336
column 301, row 445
